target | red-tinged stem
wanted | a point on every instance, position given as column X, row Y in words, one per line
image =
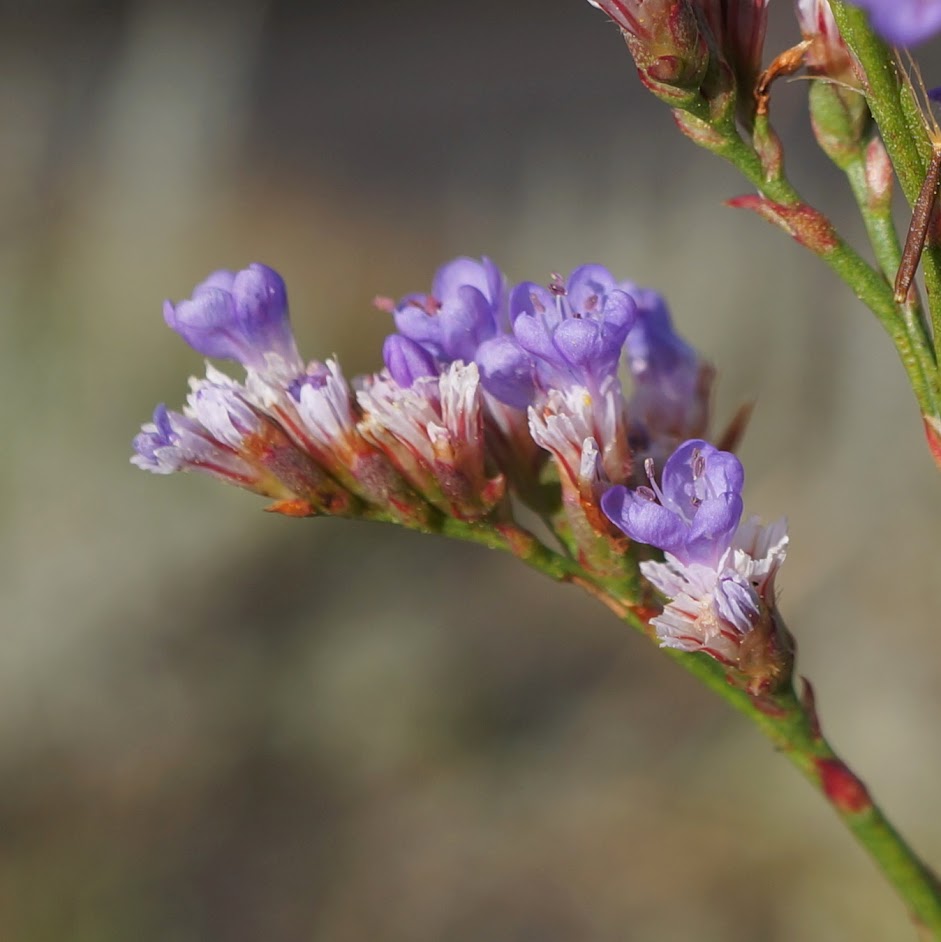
column 790, row 722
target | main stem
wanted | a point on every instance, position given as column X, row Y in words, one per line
column 867, row 284
column 787, row 720
column 901, row 125
column 790, row 722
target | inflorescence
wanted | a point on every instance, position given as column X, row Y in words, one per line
column 493, row 397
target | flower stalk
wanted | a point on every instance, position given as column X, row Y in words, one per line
column 787, row 719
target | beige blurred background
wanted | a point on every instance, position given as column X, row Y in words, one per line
column 217, row 724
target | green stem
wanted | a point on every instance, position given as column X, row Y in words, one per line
column 792, row 727
column 880, row 226
column 787, row 720
column 903, row 129
column 867, row 284
column 885, row 244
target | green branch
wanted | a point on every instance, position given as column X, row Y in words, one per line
column 866, row 283
column 790, row 723
column 901, row 124
column 787, row 720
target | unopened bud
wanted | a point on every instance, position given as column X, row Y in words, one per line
column 840, row 119
column 827, row 55
column 666, row 43
column 879, row 175
column 738, row 31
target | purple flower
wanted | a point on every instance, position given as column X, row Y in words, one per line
column 155, row 446
column 716, row 608
column 694, row 514
column 239, row 316
column 670, row 386
column 571, row 334
column 903, row 22
column 406, row 360
column 463, row 310
column 574, row 331
column 175, row 442
column 507, row 371
column 656, row 354
column 432, row 433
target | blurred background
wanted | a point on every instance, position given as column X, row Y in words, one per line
column 218, row 724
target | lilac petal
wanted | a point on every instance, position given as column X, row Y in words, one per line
column 535, row 300
column 506, row 371
column 206, row 323
column 413, row 321
column 582, row 344
column 644, row 520
column 163, row 423
column 724, row 472
column 719, row 472
column 153, row 437
column 588, row 287
column 261, row 298
column 459, row 315
column 535, row 336
column 482, row 275
column 620, row 314
column 407, row 360
column 655, row 351
column 712, row 528
column 466, row 321
column 241, row 316
column 218, row 279
column 676, row 479
column 736, row 602
column 903, row 22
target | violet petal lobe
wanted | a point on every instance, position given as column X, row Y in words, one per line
column 712, row 528
column 467, row 320
column 903, row 22
column 643, row 520
column 588, row 287
column 697, row 470
column 482, row 275
column 581, row 343
column 506, row 371
column 736, row 601
column 241, row 316
column 406, row 360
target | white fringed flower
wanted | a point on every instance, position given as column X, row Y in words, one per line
column 713, row 609
column 568, row 419
column 432, row 433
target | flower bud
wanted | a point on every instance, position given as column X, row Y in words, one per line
column 840, row 119
column 666, row 42
column 879, row 176
column 239, row 316
column 828, row 55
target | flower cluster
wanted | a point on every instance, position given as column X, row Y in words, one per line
column 487, row 391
